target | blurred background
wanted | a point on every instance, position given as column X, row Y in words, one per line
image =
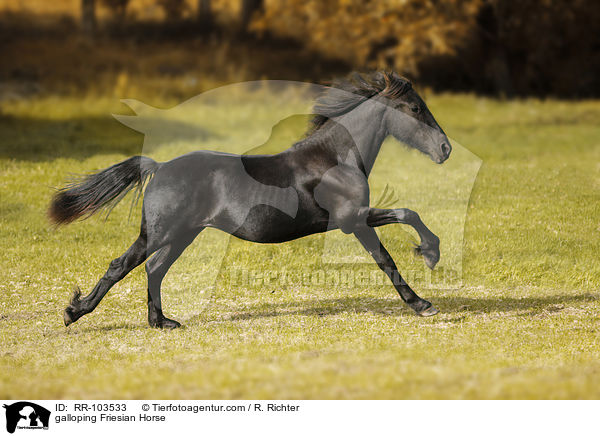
column 493, row 47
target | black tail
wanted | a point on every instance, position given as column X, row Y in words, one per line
column 86, row 196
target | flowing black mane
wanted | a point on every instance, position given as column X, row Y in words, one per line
column 345, row 94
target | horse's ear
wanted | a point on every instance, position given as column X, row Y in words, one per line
column 4, row 405
column 395, row 86
column 388, row 81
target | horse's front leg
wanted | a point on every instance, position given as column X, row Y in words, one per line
column 344, row 193
column 369, row 239
column 430, row 243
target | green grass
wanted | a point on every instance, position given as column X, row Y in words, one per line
column 523, row 324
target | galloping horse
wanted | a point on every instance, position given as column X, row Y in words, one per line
column 318, row 184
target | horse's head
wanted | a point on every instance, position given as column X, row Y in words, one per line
column 408, row 119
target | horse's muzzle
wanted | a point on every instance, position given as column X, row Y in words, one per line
column 444, row 152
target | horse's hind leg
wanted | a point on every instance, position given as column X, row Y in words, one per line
column 118, row 269
column 157, row 268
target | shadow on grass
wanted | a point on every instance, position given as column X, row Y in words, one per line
column 389, row 307
column 457, row 306
column 117, row 325
column 37, row 139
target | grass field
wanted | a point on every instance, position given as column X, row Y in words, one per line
column 523, row 324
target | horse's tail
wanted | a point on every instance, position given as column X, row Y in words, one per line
column 87, row 195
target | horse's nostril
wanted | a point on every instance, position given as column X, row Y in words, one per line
column 446, row 149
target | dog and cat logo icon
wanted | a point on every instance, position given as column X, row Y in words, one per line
column 26, row 415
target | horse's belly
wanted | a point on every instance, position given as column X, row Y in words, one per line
column 266, row 224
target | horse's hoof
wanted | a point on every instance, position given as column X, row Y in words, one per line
column 430, row 253
column 166, row 323
column 431, row 256
column 431, row 261
column 67, row 317
column 430, row 311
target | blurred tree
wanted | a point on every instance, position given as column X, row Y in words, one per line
column 382, row 34
column 502, row 47
column 491, row 28
column 497, row 46
column 88, row 17
column 173, row 9
column 249, row 7
column 118, row 9
column 205, row 13
column 538, row 46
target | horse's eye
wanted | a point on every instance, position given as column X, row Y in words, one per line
column 416, row 109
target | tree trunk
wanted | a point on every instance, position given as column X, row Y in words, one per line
column 248, row 8
column 496, row 63
column 88, row 17
column 204, row 14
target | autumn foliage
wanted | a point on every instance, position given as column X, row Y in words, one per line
column 498, row 47
column 495, row 46
column 379, row 34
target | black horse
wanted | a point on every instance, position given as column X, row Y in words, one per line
column 318, row 184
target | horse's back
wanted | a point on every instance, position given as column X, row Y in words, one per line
column 209, row 188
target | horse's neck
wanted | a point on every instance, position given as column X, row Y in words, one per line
column 367, row 131
column 354, row 138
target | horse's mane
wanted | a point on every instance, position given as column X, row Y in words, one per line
column 345, row 94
